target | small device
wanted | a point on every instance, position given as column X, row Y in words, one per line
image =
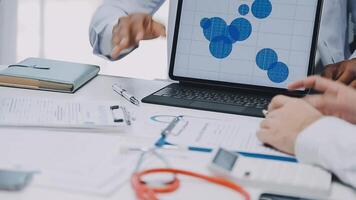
column 277, row 177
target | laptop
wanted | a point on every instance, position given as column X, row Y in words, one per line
column 235, row 56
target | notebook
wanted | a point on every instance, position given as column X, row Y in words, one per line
column 50, row 75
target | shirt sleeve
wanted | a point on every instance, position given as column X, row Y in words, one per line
column 352, row 4
column 108, row 14
column 330, row 143
column 332, row 37
column 353, row 55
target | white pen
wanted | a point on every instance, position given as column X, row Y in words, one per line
column 265, row 112
column 125, row 94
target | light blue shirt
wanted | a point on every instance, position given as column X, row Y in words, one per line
column 332, row 46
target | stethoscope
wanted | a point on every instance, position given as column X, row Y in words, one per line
column 145, row 191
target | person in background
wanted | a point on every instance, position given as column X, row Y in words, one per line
column 333, row 46
column 119, row 25
column 319, row 129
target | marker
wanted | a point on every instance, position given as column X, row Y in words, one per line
column 129, row 97
column 162, row 144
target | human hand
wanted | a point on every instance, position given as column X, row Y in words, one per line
column 336, row 99
column 344, row 72
column 130, row 30
column 286, row 118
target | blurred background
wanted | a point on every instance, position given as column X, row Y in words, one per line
column 58, row 29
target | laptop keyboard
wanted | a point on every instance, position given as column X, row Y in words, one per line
column 215, row 96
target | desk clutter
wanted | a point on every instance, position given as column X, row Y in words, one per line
column 83, row 147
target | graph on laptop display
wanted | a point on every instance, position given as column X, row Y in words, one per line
column 255, row 42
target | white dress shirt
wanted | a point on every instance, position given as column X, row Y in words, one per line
column 331, row 144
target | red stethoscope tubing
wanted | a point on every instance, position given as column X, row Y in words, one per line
column 144, row 192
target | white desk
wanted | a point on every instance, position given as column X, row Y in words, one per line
column 100, row 89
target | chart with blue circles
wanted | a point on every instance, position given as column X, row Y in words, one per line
column 255, row 42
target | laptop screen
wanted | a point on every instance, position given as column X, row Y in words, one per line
column 252, row 42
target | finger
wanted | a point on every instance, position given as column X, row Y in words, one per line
column 317, row 83
column 346, row 78
column 316, row 101
column 296, row 85
column 340, row 70
column 265, row 124
column 140, row 36
column 120, row 31
column 159, row 29
column 353, row 84
column 124, row 43
column 309, row 82
column 138, row 30
column 156, row 29
column 331, row 71
column 120, row 38
column 278, row 102
column 264, row 135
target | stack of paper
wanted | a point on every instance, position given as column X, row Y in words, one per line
column 72, row 161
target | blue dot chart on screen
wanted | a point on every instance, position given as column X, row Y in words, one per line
column 267, row 59
column 257, row 42
column 244, row 9
column 261, row 8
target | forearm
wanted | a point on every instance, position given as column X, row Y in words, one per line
column 331, row 144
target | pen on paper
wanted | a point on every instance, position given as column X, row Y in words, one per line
column 129, row 97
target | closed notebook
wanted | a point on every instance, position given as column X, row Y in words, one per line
column 51, row 75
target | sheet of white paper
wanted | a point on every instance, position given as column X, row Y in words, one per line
column 78, row 162
column 55, row 113
column 211, row 133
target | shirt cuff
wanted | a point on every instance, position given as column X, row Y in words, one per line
column 103, row 45
column 311, row 141
column 353, row 55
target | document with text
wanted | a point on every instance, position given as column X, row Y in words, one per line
column 212, row 133
column 37, row 112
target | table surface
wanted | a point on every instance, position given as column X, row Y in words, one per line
column 100, row 89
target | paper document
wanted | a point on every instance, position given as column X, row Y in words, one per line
column 61, row 114
column 211, row 133
column 78, row 162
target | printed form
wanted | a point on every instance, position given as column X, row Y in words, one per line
column 212, row 133
column 59, row 113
